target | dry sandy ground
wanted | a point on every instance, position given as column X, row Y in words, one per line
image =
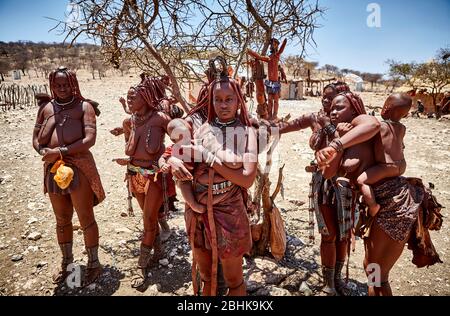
column 24, row 210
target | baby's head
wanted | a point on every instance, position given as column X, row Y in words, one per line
column 396, row 107
column 179, row 130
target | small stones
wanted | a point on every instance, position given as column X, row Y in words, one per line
column 305, row 290
column 123, row 230
column 16, row 258
column 164, row 262
column 41, row 264
column 32, row 249
column 32, row 220
column 34, row 236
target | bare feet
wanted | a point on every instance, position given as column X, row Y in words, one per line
column 342, row 288
column 92, row 275
column 165, row 230
column 60, row 275
column 139, row 280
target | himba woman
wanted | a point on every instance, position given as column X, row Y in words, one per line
column 335, row 236
column 407, row 209
column 166, row 105
column 65, row 131
column 223, row 231
column 144, row 134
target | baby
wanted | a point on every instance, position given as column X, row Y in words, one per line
column 390, row 161
column 180, row 134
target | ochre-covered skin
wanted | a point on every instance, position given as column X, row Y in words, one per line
column 273, row 61
column 359, row 155
column 333, row 250
column 66, row 129
column 144, row 145
column 388, row 149
column 229, row 237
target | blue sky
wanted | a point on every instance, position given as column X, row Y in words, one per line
column 410, row 30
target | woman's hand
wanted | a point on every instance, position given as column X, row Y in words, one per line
column 195, row 152
column 50, row 154
column 122, row 101
column 323, row 119
column 198, row 208
column 325, row 156
column 210, row 143
column 117, row 131
column 121, row 161
column 179, row 171
column 343, row 128
column 165, row 168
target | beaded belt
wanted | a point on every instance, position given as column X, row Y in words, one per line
column 217, row 188
column 143, row 171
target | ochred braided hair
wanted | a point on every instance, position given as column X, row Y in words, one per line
column 202, row 100
column 74, row 86
column 152, row 89
column 355, row 101
column 73, row 82
column 338, row 86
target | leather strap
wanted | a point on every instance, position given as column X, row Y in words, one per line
column 212, row 226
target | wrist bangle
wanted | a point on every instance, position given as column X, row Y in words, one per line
column 330, row 129
column 336, row 144
column 63, row 150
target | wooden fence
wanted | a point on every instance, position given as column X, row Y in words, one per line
column 14, row 96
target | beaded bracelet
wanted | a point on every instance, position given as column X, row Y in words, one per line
column 336, row 144
column 330, row 129
column 63, row 150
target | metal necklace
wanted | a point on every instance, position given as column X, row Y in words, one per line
column 223, row 125
column 64, row 104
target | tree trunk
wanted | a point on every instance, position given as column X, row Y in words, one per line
column 93, row 75
column 434, row 95
column 3, row 79
column 260, row 247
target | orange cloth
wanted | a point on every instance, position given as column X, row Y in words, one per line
column 85, row 163
column 64, row 175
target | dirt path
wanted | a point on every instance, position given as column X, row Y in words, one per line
column 26, row 265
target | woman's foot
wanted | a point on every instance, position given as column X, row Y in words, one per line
column 139, row 280
column 144, row 263
column 67, row 258
column 165, row 230
column 91, row 275
column 341, row 287
column 93, row 268
column 328, row 280
column 60, row 275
